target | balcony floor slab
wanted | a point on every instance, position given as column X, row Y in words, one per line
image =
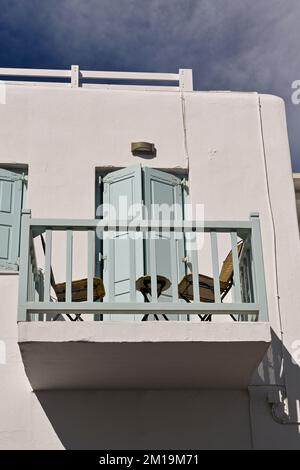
column 136, row 355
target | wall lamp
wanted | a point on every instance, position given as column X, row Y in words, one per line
column 143, row 149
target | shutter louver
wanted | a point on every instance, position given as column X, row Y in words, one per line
column 11, row 189
column 118, row 186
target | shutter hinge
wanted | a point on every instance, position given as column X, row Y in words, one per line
column 24, row 178
column 103, row 259
column 183, row 183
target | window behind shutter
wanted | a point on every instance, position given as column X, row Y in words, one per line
column 11, row 189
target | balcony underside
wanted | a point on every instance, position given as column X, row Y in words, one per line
column 135, row 355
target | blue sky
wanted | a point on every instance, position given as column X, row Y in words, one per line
column 250, row 45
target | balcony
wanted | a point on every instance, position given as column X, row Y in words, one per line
column 177, row 327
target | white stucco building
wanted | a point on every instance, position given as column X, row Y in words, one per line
column 177, row 380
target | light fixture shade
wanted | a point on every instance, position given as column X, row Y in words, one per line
column 142, row 147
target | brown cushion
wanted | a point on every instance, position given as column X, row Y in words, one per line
column 206, row 287
column 79, row 290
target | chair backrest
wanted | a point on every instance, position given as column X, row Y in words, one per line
column 226, row 273
column 52, row 279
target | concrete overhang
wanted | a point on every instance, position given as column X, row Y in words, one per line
column 131, row 355
column 296, row 178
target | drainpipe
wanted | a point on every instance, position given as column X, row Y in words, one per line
column 279, row 407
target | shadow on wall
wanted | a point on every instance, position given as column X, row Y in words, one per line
column 149, row 419
column 199, row 419
column 278, row 371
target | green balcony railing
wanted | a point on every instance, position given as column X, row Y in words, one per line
column 118, row 253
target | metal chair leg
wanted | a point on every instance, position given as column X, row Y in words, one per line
column 202, row 317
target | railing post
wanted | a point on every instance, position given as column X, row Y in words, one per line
column 75, row 76
column 41, row 316
column 24, row 265
column 259, row 274
column 186, row 79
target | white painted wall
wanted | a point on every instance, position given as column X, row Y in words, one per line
column 237, row 152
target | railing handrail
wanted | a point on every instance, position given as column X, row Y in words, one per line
column 184, row 77
column 140, row 225
column 38, row 73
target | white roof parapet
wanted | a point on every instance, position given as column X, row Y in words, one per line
column 184, row 77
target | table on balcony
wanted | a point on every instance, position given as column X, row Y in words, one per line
column 143, row 285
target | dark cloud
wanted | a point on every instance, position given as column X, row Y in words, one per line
column 230, row 44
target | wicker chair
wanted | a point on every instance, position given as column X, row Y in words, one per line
column 206, row 283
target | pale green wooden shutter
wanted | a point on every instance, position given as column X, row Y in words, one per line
column 11, row 188
column 160, row 189
column 126, row 183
